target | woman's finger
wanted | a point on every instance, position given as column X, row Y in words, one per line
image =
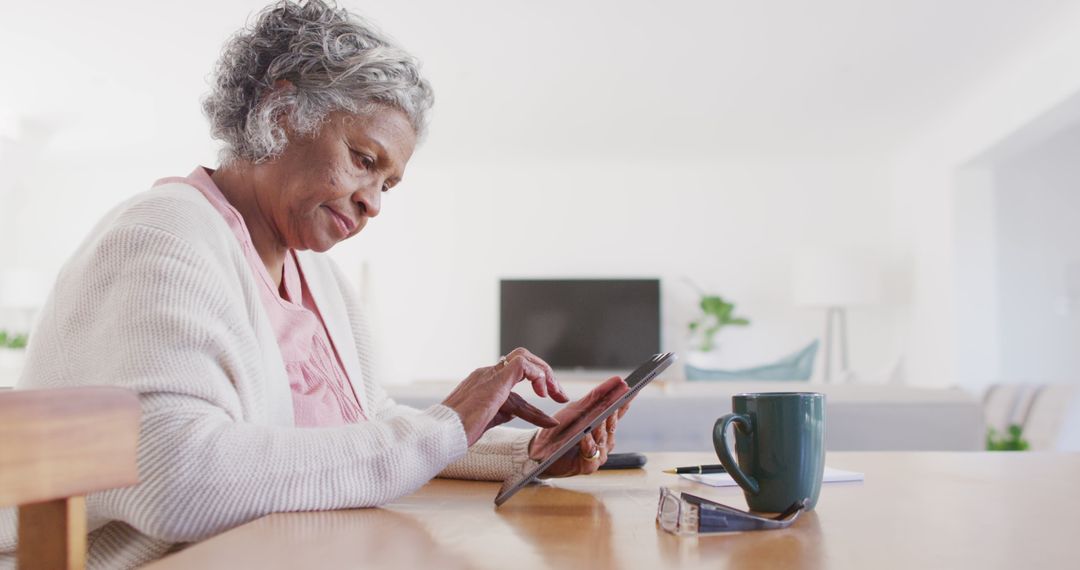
column 591, row 467
column 588, row 446
column 613, row 395
column 552, row 386
column 517, row 406
column 611, row 423
column 599, row 435
column 534, row 374
column 520, row 368
column 606, row 387
column 603, row 394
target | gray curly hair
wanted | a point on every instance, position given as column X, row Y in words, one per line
column 334, row 61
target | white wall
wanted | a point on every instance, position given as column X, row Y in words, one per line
column 1038, row 231
column 1017, row 261
column 1034, row 82
column 1017, row 271
column 436, row 252
column 978, row 341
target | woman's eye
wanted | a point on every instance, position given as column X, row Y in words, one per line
column 364, row 159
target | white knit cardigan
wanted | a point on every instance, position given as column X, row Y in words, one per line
column 159, row 299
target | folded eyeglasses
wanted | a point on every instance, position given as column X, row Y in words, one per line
column 684, row 513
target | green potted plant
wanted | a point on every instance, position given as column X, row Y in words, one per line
column 13, row 340
column 716, row 313
column 1012, row 440
column 12, row 354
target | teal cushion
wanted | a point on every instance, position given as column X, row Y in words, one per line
column 798, row 366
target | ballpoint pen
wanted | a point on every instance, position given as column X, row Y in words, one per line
column 697, row 469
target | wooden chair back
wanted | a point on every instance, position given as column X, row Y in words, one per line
column 56, row 446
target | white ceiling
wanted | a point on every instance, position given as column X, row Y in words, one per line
column 567, row 77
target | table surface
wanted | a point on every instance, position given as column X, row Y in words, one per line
column 938, row 510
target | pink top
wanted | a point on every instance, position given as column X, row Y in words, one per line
column 321, row 391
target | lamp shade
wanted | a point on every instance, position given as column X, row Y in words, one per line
column 836, row 279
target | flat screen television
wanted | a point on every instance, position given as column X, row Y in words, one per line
column 586, row 324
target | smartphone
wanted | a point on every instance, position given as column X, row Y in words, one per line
column 624, row 461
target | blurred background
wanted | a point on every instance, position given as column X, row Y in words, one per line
column 768, row 152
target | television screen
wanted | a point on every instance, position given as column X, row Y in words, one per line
column 599, row 324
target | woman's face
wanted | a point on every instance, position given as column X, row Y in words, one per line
column 323, row 189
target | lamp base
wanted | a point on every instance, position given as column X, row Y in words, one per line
column 838, row 314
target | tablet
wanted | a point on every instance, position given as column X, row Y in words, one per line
column 586, row 423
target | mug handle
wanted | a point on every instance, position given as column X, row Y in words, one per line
column 723, row 451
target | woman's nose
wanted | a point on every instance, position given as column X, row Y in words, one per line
column 370, row 199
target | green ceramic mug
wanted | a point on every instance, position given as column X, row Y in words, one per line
column 780, row 441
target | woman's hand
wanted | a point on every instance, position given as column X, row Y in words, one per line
column 592, row 451
column 484, row 400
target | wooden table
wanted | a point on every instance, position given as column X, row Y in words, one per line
column 915, row 510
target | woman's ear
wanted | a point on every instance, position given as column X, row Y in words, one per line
column 282, row 87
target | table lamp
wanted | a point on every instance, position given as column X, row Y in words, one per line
column 835, row 280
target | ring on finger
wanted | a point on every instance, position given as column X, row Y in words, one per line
column 501, row 363
column 595, row 455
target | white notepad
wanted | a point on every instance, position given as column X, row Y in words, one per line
column 725, row 480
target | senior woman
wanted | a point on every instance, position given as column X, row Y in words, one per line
column 208, row 296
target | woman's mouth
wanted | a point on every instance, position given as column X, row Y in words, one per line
column 344, row 224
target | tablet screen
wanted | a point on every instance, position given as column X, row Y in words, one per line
column 587, row 422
